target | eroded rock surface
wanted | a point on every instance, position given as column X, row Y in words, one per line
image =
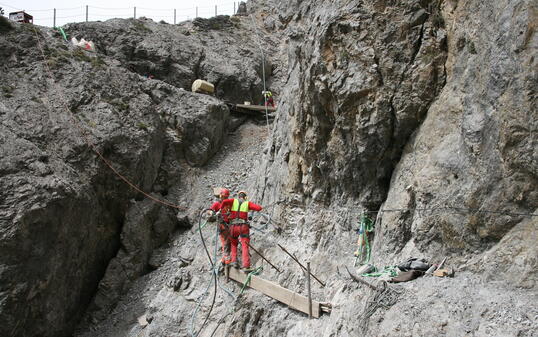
column 426, row 109
column 219, row 50
column 477, row 147
column 68, row 220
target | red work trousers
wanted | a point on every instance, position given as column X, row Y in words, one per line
column 269, row 102
column 240, row 232
column 224, row 235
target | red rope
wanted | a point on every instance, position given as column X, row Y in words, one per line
column 84, row 134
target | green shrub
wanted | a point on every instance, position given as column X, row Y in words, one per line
column 80, row 55
column 97, row 62
column 8, row 91
column 142, row 126
column 118, row 104
column 5, row 25
column 141, row 27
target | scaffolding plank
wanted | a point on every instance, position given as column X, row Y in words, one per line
column 279, row 293
column 255, row 107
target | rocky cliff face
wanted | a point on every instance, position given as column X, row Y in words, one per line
column 413, row 108
column 425, row 108
column 476, row 148
column 65, row 213
column 218, row 50
column 410, row 106
column 361, row 78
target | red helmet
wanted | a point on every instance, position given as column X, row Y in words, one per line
column 224, row 193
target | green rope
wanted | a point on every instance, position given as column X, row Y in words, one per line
column 388, row 270
column 249, row 276
column 366, row 225
column 202, row 226
column 368, row 251
column 60, row 29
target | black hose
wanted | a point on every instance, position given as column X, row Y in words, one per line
column 202, row 237
column 212, row 270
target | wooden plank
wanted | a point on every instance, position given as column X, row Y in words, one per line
column 255, row 107
column 273, row 290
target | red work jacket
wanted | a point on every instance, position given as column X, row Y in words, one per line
column 225, row 210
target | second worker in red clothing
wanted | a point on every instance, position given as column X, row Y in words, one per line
column 224, row 224
column 239, row 226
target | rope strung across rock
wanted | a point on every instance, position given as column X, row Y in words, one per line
column 365, row 226
column 199, row 304
column 256, row 271
column 85, row 136
column 383, row 296
column 263, row 72
column 446, row 209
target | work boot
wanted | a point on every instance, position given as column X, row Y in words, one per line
column 247, row 269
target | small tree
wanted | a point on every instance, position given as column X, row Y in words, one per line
column 5, row 26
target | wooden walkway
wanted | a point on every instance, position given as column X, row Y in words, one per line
column 252, row 110
column 255, row 107
column 279, row 293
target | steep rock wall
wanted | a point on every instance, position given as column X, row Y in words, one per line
column 477, row 147
column 368, row 82
column 65, row 214
column 62, row 208
column 361, row 77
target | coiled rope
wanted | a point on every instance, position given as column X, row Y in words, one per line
column 214, row 267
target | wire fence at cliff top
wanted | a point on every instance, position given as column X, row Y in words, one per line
column 59, row 16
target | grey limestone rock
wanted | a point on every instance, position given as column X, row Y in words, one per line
column 71, row 233
column 216, row 50
column 424, row 108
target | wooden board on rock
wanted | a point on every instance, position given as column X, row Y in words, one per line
column 279, row 293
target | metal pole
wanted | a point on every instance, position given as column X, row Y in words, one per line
column 234, row 7
column 134, row 15
column 309, row 292
column 54, row 22
column 196, row 11
column 300, row 264
column 441, row 264
column 358, row 279
column 263, row 257
column 174, row 16
column 215, row 10
column 86, row 13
